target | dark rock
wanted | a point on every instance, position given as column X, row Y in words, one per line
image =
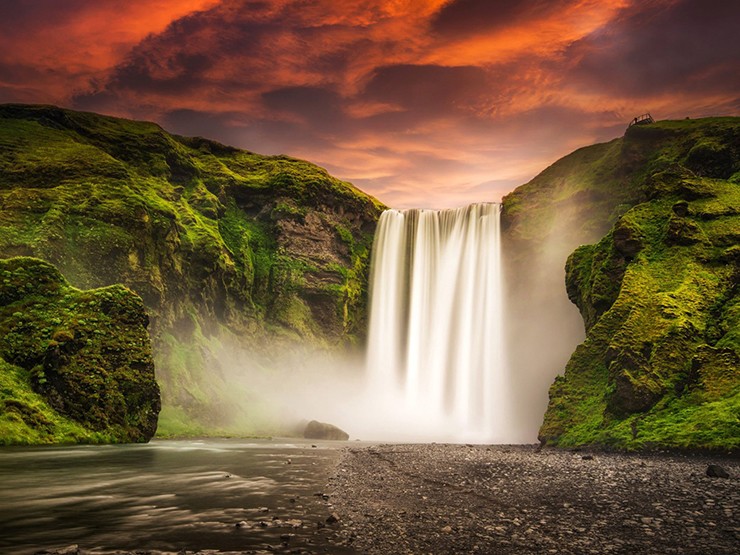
column 681, row 208
column 626, row 239
column 587, row 457
column 716, row 471
column 333, row 518
column 322, row 430
column 711, row 158
column 630, row 395
column 683, row 232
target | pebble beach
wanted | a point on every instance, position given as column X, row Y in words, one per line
column 444, row 499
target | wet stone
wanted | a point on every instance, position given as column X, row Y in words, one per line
column 716, row 471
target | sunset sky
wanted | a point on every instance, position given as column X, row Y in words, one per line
column 432, row 103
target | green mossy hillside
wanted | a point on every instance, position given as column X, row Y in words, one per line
column 579, row 200
column 660, row 366
column 268, row 253
column 75, row 366
column 580, row 197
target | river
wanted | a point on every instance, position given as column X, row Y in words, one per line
column 168, row 496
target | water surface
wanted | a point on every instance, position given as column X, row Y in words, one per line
column 167, row 495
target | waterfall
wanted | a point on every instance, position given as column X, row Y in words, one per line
column 435, row 344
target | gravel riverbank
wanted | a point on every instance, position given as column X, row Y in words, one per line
column 503, row 500
column 449, row 499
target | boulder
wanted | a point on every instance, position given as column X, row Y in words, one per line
column 86, row 354
column 322, row 430
column 716, row 471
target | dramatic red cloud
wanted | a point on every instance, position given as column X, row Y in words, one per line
column 421, row 103
column 56, row 47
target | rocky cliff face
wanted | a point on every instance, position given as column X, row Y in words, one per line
column 660, row 363
column 223, row 245
column 75, row 366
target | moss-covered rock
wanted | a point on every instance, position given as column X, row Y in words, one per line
column 659, row 297
column 223, row 245
column 75, row 366
column 577, row 201
column 589, row 209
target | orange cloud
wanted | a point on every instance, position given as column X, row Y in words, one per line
column 66, row 44
column 431, row 102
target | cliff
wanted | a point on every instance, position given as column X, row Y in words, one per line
column 75, row 366
column 226, row 247
column 659, row 366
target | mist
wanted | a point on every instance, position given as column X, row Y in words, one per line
column 276, row 390
column 543, row 328
column 279, row 396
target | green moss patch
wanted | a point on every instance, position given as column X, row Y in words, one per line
column 76, row 365
column 660, row 366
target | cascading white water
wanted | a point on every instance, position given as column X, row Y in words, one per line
column 435, row 346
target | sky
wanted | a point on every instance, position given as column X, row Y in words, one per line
column 432, row 104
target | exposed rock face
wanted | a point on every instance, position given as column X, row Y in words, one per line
column 659, row 298
column 223, row 245
column 86, row 353
column 321, row 430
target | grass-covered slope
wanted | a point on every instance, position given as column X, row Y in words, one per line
column 222, row 244
column 660, row 366
column 583, row 194
column 75, row 366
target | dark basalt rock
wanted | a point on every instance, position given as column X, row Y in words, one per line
column 682, row 232
column 681, row 208
column 322, row 430
column 627, row 239
column 716, row 471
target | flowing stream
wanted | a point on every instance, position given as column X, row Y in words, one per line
column 436, row 344
column 168, row 496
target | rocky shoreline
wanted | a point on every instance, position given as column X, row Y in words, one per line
column 446, row 499
column 506, row 500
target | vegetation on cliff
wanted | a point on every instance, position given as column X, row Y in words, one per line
column 75, row 366
column 224, row 246
column 579, row 198
column 660, row 366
